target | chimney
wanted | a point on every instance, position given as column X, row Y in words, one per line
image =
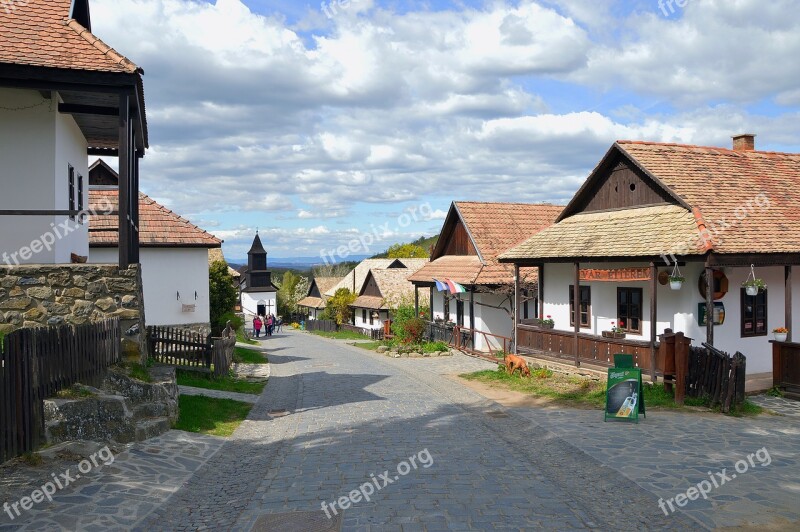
column 744, row 142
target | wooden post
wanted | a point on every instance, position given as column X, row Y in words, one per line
column 681, row 366
column 787, row 275
column 431, row 300
column 540, row 292
column 653, row 318
column 416, row 301
column 709, row 305
column 135, row 211
column 124, row 181
column 516, row 306
column 576, row 294
column 472, row 314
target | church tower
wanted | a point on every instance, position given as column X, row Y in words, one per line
column 259, row 295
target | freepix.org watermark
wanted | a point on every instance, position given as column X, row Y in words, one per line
column 11, row 5
column 715, row 480
column 367, row 489
column 362, row 243
column 329, row 8
column 56, row 233
column 102, row 457
column 667, row 7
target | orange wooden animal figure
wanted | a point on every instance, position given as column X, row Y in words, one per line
column 514, row 363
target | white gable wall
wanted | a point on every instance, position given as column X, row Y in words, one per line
column 165, row 273
column 36, row 147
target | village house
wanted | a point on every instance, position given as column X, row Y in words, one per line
column 383, row 291
column 313, row 305
column 173, row 253
column 473, row 235
column 257, row 295
column 654, row 226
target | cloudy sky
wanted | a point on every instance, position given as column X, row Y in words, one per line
column 317, row 124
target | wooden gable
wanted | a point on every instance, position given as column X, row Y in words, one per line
column 618, row 183
column 454, row 238
column 370, row 287
column 313, row 290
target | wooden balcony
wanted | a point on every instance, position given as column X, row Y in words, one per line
column 591, row 349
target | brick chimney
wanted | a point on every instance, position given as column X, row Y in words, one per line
column 744, row 142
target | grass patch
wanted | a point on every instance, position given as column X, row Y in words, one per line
column 138, row 371
column 225, row 384
column 206, row 415
column 370, row 346
column 74, row 392
column 32, row 459
column 240, row 337
column 340, row 335
column 242, row 355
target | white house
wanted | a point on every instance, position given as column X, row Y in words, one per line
column 173, row 253
column 63, row 96
column 259, row 296
column 472, row 236
column 383, row 290
column 314, row 303
column 721, row 215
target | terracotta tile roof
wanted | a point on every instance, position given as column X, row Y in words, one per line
column 394, row 287
column 603, row 234
column 494, row 228
column 362, row 269
column 40, row 33
column 158, row 226
column 724, row 185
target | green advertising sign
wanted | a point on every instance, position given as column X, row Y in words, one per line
column 624, row 399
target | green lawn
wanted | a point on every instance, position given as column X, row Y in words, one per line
column 248, row 356
column 240, row 337
column 216, row 417
column 225, row 384
column 583, row 392
column 341, row 335
column 370, row 346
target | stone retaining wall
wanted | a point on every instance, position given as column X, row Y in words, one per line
column 44, row 295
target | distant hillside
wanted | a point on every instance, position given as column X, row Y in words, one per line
column 425, row 243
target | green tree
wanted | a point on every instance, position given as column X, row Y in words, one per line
column 338, row 305
column 222, row 293
column 292, row 289
column 407, row 251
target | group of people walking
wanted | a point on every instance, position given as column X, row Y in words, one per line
column 269, row 323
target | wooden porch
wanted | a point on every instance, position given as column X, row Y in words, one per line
column 591, row 349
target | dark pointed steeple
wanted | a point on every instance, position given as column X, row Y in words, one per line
column 257, row 274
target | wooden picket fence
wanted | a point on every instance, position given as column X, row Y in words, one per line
column 717, row 376
column 321, row 325
column 38, row 363
column 178, row 347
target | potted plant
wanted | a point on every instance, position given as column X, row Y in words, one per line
column 676, row 281
column 615, row 332
column 547, row 323
column 752, row 286
column 780, row 334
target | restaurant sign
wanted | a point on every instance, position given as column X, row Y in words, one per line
column 621, row 274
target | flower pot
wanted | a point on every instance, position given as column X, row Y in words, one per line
column 676, row 285
column 751, row 290
column 547, row 325
column 612, row 334
column 780, row 337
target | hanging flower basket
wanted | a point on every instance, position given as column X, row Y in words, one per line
column 752, row 284
column 676, row 279
column 612, row 334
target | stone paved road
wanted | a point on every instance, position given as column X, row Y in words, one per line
column 352, row 414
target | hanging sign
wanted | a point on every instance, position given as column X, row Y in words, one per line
column 621, row 274
column 624, row 399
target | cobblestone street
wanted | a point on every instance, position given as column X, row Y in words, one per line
column 334, row 416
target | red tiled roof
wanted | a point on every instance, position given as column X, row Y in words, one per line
column 158, row 226
column 748, row 199
column 494, row 228
column 40, row 33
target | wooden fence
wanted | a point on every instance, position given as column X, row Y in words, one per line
column 38, row 363
column 375, row 334
column 717, row 376
column 321, row 325
column 451, row 335
column 187, row 349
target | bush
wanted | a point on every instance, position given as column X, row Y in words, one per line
column 412, row 331
column 435, row 347
column 542, row 373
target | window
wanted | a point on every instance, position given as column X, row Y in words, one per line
column 372, row 318
column 586, row 305
column 754, row 314
column 446, row 311
column 71, row 191
column 364, row 315
column 80, row 193
column 629, row 309
column 460, row 312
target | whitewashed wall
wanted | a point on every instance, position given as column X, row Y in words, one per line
column 36, row 147
column 165, row 273
column 491, row 320
column 676, row 309
column 377, row 322
column 250, row 301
